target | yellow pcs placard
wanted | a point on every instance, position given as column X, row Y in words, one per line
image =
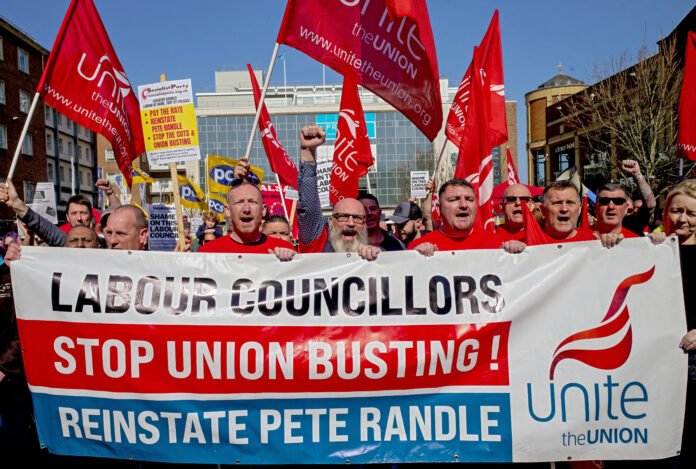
column 169, row 127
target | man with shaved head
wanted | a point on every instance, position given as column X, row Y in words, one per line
column 347, row 230
column 244, row 211
column 511, row 207
column 126, row 229
column 82, row 237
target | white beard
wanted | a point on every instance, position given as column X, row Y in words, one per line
column 342, row 246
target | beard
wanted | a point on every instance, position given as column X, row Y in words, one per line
column 346, row 246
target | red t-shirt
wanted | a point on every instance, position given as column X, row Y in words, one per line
column 502, row 235
column 317, row 245
column 227, row 244
column 581, row 235
column 476, row 240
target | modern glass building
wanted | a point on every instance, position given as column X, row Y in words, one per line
column 225, row 118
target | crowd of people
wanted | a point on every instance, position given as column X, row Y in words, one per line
column 356, row 225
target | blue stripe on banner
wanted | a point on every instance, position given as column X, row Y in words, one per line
column 442, row 427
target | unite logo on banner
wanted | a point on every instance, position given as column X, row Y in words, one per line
column 603, row 347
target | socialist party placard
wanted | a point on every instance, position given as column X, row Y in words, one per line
column 330, row 359
column 169, row 122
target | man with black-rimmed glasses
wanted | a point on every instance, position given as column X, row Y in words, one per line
column 347, row 230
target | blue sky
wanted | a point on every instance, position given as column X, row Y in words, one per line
column 193, row 39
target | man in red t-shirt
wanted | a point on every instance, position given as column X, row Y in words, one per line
column 511, row 207
column 245, row 210
column 610, row 209
column 458, row 209
column 560, row 205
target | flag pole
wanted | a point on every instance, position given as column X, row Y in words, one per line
column 369, row 187
column 22, row 135
column 292, row 214
column 439, row 158
column 681, row 167
column 282, row 197
column 261, row 101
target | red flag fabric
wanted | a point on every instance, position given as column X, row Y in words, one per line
column 85, row 82
column 686, row 138
column 280, row 161
column 387, row 47
column 435, row 212
column 585, row 222
column 475, row 163
column 491, row 63
column 352, row 155
column 512, row 172
column 533, row 234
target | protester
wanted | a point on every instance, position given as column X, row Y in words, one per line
column 458, row 209
column 210, row 225
column 680, row 220
column 377, row 236
column 346, row 232
column 82, row 237
column 611, row 209
column 405, row 217
column 104, row 184
column 126, row 229
column 78, row 212
column 277, row 226
column 639, row 217
column 560, row 206
column 245, row 210
column 511, row 207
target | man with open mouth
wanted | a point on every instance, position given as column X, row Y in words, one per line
column 347, row 229
column 244, row 211
column 560, row 205
column 511, row 207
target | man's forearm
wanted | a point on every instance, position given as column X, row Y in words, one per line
column 646, row 192
column 309, row 218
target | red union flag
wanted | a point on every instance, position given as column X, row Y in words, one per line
column 475, row 163
column 512, row 172
column 352, row 155
column 85, row 82
column 686, row 140
column 491, row 63
column 280, row 161
column 385, row 45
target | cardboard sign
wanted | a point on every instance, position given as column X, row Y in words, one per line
column 162, row 228
column 418, row 181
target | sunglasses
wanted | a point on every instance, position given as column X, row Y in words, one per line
column 607, row 200
column 511, row 199
column 251, row 177
column 343, row 217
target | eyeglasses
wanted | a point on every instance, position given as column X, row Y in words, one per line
column 251, row 177
column 607, row 200
column 343, row 217
column 511, row 199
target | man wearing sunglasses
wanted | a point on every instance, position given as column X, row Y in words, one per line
column 244, row 211
column 611, row 208
column 347, row 230
column 511, row 207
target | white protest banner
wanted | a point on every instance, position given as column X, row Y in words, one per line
column 45, row 201
column 464, row 356
column 169, row 122
column 418, row 181
column 161, row 228
column 324, row 181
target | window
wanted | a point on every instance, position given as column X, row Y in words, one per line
column 110, row 155
column 24, row 102
column 2, row 92
column 50, row 169
column 61, row 169
column 28, row 145
column 3, row 137
column 49, row 143
column 2, row 55
column 48, row 115
column 61, row 146
column 60, row 119
column 22, row 60
column 70, row 149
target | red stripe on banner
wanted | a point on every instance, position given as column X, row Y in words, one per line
column 253, row 359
